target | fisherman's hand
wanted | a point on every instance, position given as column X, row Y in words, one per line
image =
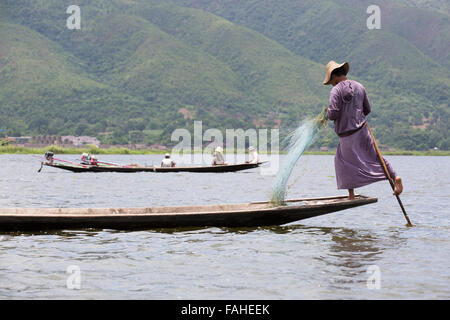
column 325, row 111
column 322, row 118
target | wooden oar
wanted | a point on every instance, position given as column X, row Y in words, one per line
column 113, row 164
column 388, row 176
column 72, row 163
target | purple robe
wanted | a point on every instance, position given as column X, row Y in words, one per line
column 356, row 161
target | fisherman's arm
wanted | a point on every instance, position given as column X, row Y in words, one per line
column 333, row 110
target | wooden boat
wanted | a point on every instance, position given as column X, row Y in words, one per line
column 223, row 215
column 106, row 168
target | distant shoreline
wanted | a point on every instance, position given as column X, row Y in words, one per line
column 116, row 150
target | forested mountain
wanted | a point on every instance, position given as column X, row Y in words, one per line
column 439, row 5
column 136, row 70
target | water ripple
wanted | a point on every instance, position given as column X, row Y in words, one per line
column 322, row 258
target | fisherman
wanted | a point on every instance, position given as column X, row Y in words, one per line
column 85, row 158
column 218, row 158
column 167, row 162
column 254, row 158
column 356, row 161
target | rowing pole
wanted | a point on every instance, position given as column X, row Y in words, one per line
column 388, row 176
column 112, row 164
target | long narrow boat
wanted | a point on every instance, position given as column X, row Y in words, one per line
column 224, row 215
column 107, row 168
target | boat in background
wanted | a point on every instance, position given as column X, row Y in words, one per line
column 256, row 214
column 106, row 168
column 101, row 166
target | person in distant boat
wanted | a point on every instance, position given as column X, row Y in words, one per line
column 356, row 161
column 218, row 158
column 85, row 158
column 49, row 156
column 93, row 161
column 167, row 162
column 254, row 158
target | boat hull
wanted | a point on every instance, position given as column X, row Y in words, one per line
column 234, row 215
column 218, row 168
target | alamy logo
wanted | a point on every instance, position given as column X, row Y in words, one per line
column 74, row 279
column 73, row 22
column 374, row 279
column 374, row 20
column 189, row 148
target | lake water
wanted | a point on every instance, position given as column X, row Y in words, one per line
column 327, row 257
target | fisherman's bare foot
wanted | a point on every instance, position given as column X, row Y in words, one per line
column 398, row 186
column 351, row 194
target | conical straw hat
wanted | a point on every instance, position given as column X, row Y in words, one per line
column 332, row 65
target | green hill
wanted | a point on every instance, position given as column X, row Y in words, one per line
column 404, row 66
column 139, row 67
column 438, row 5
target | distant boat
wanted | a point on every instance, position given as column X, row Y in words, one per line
column 117, row 168
column 222, row 215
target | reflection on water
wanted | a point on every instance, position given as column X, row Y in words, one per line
column 322, row 258
column 351, row 252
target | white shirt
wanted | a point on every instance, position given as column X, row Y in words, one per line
column 254, row 158
column 218, row 158
column 167, row 163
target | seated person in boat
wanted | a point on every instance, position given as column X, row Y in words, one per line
column 218, row 158
column 85, row 158
column 167, row 162
column 356, row 161
column 254, row 158
column 49, row 157
column 93, row 161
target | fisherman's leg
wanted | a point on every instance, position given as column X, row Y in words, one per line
column 398, row 185
column 351, row 194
